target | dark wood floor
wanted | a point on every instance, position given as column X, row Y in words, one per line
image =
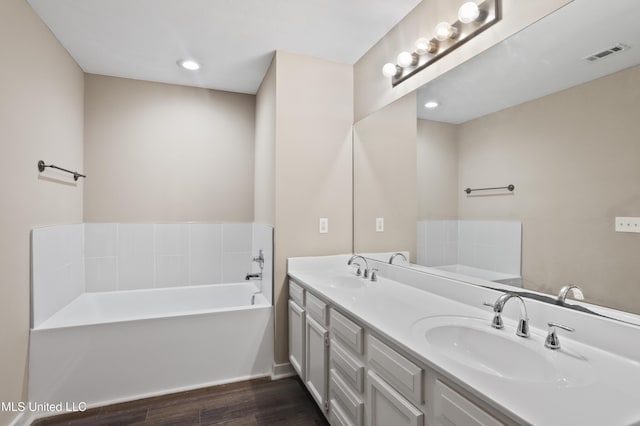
column 256, row 402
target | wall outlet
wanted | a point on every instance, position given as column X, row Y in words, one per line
column 324, row 225
column 380, row 224
column 628, row 224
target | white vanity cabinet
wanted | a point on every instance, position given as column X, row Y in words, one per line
column 297, row 328
column 317, row 360
column 359, row 378
column 347, row 385
column 395, row 387
column 451, row 408
column 317, row 350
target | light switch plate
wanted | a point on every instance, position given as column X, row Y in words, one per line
column 380, row 224
column 628, row 224
column 324, row 225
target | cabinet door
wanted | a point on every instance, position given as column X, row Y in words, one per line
column 317, row 360
column 387, row 407
column 451, row 408
column 296, row 337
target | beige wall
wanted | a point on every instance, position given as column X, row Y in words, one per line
column 437, row 157
column 385, row 179
column 314, row 114
column 373, row 91
column 161, row 152
column 41, row 118
column 265, row 149
column 573, row 158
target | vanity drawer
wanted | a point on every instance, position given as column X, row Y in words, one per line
column 347, row 401
column 350, row 368
column 337, row 417
column 317, row 309
column 296, row 293
column 452, row 408
column 349, row 333
column 401, row 373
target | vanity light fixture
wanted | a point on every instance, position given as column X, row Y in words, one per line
column 445, row 31
column 406, row 59
column 431, row 104
column 473, row 17
column 424, row 45
column 468, row 12
column 188, row 64
column 391, row 70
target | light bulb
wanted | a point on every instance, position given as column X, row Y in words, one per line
column 468, row 12
column 424, row 46
column 431, row 104
column 390, row 70
column 189, row 64
column 444, row 31
column 405, row 59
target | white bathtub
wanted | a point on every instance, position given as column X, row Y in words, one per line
column 110, row 347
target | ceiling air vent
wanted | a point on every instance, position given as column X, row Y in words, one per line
column 607, row 52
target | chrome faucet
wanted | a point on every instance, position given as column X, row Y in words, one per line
column 259, row 259
column 256, row 276
column 523, row 324
column 564, row 291
column 365, row 274
column 393, row 256
column 552, row 341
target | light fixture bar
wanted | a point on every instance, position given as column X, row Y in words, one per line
column 489, row 12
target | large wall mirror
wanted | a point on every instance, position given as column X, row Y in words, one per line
column 554, row 111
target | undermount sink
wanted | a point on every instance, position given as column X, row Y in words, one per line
column 473, row 343
column 347, row 282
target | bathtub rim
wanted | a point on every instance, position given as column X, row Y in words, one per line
column 264, row 303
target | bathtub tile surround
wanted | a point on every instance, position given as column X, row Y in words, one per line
column 263, row 238
column 99, row 257
column 489, row 245
column 57, row 269
column 135, row 257
column 205, row 265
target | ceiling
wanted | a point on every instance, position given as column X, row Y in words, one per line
column 233, row 40
column 542, row 59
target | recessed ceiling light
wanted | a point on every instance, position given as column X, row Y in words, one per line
column 189, row 64
column 431, row 104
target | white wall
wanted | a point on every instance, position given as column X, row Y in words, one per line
column 437, row 158
column 265, row 149
column 384, row 173
column 164, row 153
column 313, row 119
column 41, row 118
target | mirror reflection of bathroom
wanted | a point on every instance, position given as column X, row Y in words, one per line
column 541, row 130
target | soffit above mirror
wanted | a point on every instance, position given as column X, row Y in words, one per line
column 544, row 58
column 232, row 41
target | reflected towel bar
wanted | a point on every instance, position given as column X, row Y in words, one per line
column 42, row 166
column 510, row 188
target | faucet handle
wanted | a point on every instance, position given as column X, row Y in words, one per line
column 523, row 328
column 374, row 275
column 491, row 305
column 365, row 274
column 359, row 271
column 552, row 341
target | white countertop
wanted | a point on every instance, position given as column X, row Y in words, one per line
column 604, row 388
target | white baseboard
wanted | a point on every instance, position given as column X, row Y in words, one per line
column 280, row 371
